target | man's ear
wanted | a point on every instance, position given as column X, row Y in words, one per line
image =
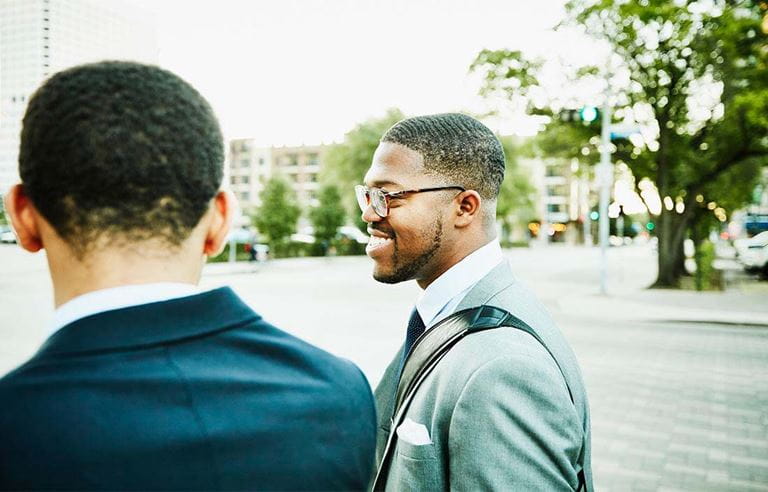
column 469, row 208
column 24, row 218
column 223, row 210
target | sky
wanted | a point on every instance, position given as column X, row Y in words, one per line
column 289, row 72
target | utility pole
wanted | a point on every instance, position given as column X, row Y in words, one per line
column 604, row 176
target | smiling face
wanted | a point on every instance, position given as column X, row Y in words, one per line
column 412, row 242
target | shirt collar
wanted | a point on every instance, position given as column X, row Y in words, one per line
column 124, row 296
column 457, row 281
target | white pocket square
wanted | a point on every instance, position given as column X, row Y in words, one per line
column 413, row 433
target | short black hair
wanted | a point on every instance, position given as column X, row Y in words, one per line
column 122, row 151
column 455, row 146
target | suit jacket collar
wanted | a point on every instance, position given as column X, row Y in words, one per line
column 497, row 280
column 152, row 324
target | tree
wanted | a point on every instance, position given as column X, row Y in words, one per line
column 515, row 203
column 346, row 163
column 327, row 217
column 278, row 214
column 3, row 218
column 697, row 77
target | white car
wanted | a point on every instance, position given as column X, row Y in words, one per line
column 354, row 234
column 755, row 259
column 752, row 253
column 744, row 244
column 307, row 234
column 7, row 235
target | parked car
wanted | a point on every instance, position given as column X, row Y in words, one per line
column 7, row 235
column 354, row 234
column 307, row 234
column 744, row 244
column 755, row 259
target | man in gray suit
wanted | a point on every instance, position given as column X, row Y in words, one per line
column 502, row 410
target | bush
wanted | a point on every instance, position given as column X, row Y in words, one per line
column 515, row 244
column 241, row 254
column 707, row 277
column 345, row 246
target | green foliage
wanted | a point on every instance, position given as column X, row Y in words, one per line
column 346, row 163
column 506, row 72
column 706, row 277
column 328, row 216
column 3, row 217
column 240, row 254
column 515, row 205
column 698, row 76
column 278, row 214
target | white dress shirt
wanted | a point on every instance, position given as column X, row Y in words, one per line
column 124, row 296
column 442, row 296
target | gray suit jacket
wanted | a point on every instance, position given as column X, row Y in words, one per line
column 496, row 407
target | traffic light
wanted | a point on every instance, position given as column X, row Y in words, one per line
column 585, row 114
column 588, row 114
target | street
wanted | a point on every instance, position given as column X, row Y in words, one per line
column 676, row 379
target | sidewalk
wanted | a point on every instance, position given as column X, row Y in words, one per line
column 574, row 290
column 729, row 307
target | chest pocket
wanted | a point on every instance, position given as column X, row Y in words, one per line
column 415, row 467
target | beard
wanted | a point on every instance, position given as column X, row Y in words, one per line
column 407, row 268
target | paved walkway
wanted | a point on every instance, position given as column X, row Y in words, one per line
column 676, row 404
column 676, row 379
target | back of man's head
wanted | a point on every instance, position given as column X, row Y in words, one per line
column 120, row 152
column 457, row 148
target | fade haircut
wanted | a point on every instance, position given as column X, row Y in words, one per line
column 456, row 147
column 120, row 151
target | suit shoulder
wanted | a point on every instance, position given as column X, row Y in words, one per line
column 515, row 346
column 280, row 339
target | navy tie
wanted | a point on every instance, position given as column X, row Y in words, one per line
column 415, row 329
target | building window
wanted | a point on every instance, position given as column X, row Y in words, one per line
column 555, row 207
column 554, row 171
column 245, row 196
column 313, row 160
column 557, row 190
column 246, row 163
column 245, row 179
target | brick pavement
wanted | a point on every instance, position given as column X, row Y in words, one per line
column 675, row 406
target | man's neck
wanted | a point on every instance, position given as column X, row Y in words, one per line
column 460, row 251
column 114, row 268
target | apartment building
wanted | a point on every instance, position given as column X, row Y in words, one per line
column 250, row 167
column 563, row 200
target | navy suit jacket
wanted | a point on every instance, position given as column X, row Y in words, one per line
column 192, row 393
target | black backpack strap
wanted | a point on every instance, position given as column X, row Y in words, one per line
column 430, row 348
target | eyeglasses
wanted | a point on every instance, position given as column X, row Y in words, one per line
column 379, row 199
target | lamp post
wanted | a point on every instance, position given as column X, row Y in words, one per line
column 604, row 174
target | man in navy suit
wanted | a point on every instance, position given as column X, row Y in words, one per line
column 146, row 382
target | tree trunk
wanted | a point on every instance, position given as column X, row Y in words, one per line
column 671, row 258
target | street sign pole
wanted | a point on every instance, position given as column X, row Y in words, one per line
column 604, row 173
